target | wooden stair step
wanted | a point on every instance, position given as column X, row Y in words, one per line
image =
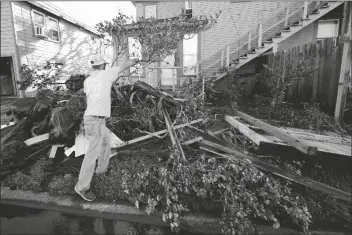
column 315, row 12
column 295, row 24
column 325, row 5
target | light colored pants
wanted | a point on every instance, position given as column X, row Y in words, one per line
column 99, row 147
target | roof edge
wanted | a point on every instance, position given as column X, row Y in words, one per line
column 63, row 15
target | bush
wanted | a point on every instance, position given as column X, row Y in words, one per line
column 62, row 185
column 32, row 180
column 241, row 191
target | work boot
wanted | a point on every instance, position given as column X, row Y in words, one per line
column 87, row 195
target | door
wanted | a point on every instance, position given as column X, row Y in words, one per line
column 6, row 77
column 167, row 74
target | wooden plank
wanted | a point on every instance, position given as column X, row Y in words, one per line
column 54, row 150
column 345, row 63
column 173, row 136
column 231, row 154
column 326, row 144
column 289, row 139
column 252, row 135
column 320, row 138
column 37, row 139
column 152, row 135
column 322, row 148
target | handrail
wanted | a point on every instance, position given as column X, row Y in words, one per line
column 243, row 34
column 271, row 27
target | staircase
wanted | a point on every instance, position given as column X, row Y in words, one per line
column 264, row 37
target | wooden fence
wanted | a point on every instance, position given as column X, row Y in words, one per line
column 316, row 64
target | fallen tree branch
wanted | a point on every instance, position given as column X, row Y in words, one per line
column 173, row 136
column 231, row 153
column 148, row 137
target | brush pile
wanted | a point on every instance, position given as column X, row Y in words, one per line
column 179, row 170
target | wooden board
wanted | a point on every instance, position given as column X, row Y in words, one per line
column 324, row 143
column 298, row 144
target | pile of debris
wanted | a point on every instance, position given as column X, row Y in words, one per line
column 51, row 122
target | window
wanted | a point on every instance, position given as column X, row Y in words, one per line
column 190, row 53
column 39, row 23
column 46, row 26
column 135, row 51
column 150, row 11
column 53, row 29
column 328, row 29
column 188, row 5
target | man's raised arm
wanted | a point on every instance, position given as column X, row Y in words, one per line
column 121, row 66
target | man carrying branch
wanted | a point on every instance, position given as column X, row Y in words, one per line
column 98, row 90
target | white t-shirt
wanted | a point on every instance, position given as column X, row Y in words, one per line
column 98, row 90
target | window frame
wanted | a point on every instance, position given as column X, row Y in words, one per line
column 196, row 54
column 35, row 24
column 45, row 26
column 58, row 29
column 145, row 10
column 188, row 5
column 329, row 20
column 142, row 74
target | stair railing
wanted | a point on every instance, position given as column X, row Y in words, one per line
column 253, row 38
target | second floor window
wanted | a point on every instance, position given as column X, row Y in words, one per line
column 46, row 26
column 53, row 29
column 150, row 11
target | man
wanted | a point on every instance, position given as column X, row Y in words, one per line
column 98, row 89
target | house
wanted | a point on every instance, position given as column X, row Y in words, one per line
column 34, row 33
column 245, row 31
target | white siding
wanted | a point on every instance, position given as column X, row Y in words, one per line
column 302, row 37
column 235, row 20
column 73, row 51
column 8, row 46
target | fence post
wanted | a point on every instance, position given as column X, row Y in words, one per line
column 260, row 34
column 249, row 40
column 222, row 58
column 287, row 13
column 305, row 10
column 227, row 55
column 345, row 64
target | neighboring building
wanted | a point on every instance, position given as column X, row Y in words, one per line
column 271, row 23
column 34, row 33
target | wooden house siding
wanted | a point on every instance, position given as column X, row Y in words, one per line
column 304, row 36
column 73, row 50
column 235, row 20
column 8, row 46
